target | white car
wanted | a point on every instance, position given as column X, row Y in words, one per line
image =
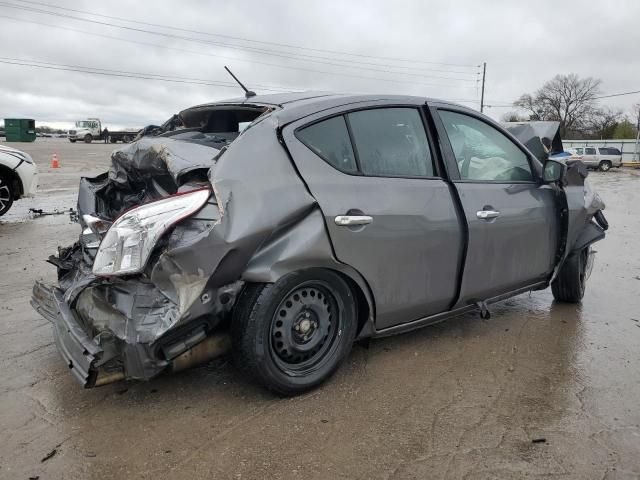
column 18, row 177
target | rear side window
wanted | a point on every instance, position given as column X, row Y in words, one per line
column 589, row 151
column 330, row 140
column 609, row 151
column 391, row 142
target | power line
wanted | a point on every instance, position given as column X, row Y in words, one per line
column 286, row 55
column 232, row 58
column 147, row 75
column 251, row 40
column 617, row 95
column 125, row 74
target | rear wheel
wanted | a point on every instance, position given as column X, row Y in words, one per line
column 6, row 194
column 72, row 140
column 88, row 138
column 293, row 334
column 570, row 283
column 126, row 139
column 605, row 166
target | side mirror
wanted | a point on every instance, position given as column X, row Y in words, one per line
column 554, row 172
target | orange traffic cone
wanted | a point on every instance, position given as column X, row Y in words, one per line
column 54, row 161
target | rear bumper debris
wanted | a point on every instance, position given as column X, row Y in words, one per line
column 76, row 348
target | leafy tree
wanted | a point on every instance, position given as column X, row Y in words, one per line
column 625, row 129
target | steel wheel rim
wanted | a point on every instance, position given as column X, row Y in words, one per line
column 5, row 195
column 582, row 269
column 305, row 328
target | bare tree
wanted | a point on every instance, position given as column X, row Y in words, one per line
column 567, row 99
column 513, row 117
column 602, row 122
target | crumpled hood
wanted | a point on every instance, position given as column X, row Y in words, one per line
column 541, row 138
column 143, row 171
column 159, row 156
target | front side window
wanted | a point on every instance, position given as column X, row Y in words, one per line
column 579, row 151
column 482, row 152
column 391, row 142
column 330, row 140
column 590, row 151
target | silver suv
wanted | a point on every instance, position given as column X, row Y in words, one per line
column 602, row 158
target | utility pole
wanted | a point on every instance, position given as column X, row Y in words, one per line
column 484, row 73
column 635, row 150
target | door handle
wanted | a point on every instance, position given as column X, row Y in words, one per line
column 350, row 220
column 487, row 214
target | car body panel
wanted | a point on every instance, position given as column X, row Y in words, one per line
column 272, row 211
column 415, row 234
column 513, row 250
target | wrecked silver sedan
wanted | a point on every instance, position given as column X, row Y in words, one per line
column 285, row 227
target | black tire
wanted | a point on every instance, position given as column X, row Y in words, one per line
column 113, row 139
column 605, row 166
column 72, row 141
column 6, row 193
column 126, row 139
column 570, row 283
column 88, row 138
column 286, row 334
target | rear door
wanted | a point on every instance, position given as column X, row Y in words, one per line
column 511, row 218
column 387, row 211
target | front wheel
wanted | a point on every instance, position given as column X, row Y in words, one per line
column 6, row 194
column 72, row 140
column 88, row 138
column 605, row 166
column 293, row 334
column 570, row 283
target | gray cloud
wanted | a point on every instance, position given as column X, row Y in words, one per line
column 523, row 43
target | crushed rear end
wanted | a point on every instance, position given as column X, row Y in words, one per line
column 117, row 321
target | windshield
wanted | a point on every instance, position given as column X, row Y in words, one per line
column 86, row 124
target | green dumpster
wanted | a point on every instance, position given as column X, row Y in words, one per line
column 20, row 129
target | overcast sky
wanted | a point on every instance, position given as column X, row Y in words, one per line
column 427, row 48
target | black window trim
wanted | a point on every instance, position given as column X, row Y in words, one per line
column 355, row 157
column 359, row 173
column 534, row 181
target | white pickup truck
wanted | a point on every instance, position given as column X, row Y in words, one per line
column 91, row 129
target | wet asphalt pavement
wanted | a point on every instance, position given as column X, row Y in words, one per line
column 540, row 390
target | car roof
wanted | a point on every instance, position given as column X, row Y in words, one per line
column 294, row 105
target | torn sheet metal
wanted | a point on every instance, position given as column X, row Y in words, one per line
column 196, row 271
column 541, row 138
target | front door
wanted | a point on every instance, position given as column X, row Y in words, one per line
column 389, row 215
column 511, row 217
